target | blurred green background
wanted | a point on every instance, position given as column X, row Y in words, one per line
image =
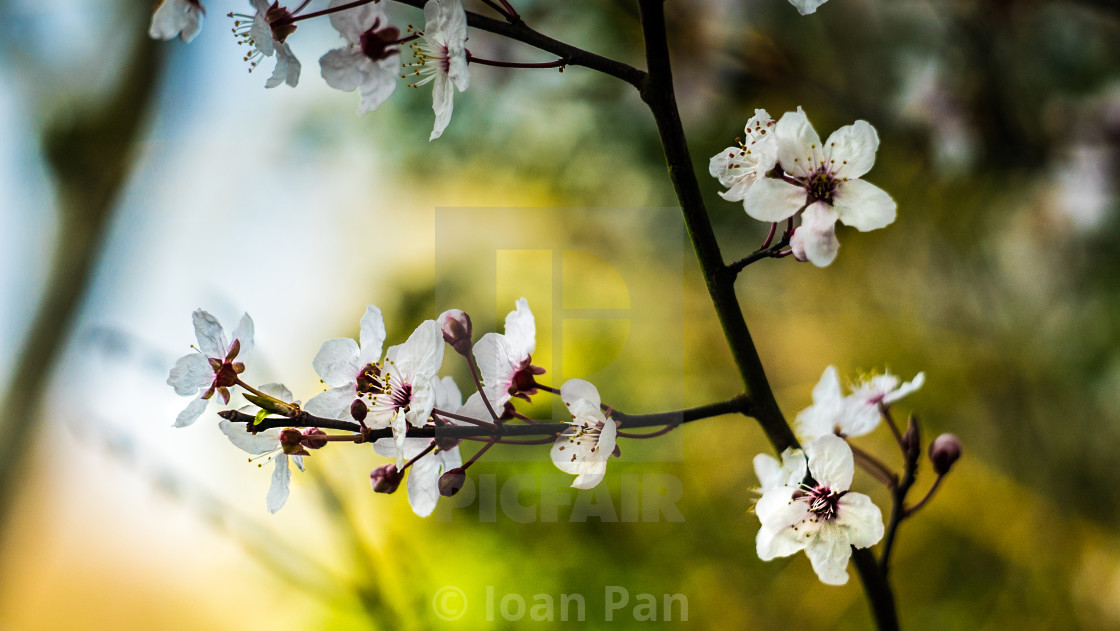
column 141, row 180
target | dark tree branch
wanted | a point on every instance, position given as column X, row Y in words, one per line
column 657, row 92
column 572, row 55
column 738, row 405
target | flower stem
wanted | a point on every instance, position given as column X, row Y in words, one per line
column 478, row 385
column 328, row 11
column 419, row 456
column 922, row 502
column 465, row 419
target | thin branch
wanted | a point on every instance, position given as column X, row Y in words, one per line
column 740, row 404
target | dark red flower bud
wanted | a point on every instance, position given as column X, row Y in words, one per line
column 385, row 479
column 912, row 440
column 358, row 410
column 452, row 482
column 456, row 327
column 312, row 440
column 943, row 452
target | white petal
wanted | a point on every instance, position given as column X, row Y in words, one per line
column 278, row 490
column 457, row 69
column 576, row 391
column 799, row 146
column 777, row 510
column 190, row 374
column 521, row 331
column 400, row 433
column 442, row 104
column 379, row 83
column 333, row 403
column 422, row 402
column 372, row 336
column 287, row 67
column 805, row 7
column 863, row 206
column 827, row 410
column 862, row 518
column 422, row 353
column 193, row 410
column 852, row 148
column 830, row 462
column 256, row 444
column 773, row 543
column 336, row 363
column 353, row 22
column 175, row 18
column 818, row 234
column 770, row 199
column 211, row 337
column 277, row 390
column 448, row 397
column 474, row 408
column 298, row 460
column 829, row 552
column 341, row 68
column 907, row 388
column 244, row 334
column 423, row 484
column 496, row 366
column 261, row 32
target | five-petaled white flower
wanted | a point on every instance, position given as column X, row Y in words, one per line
column 265, row 33
column 506, row 361
column 211, row 369
column 407, row 381
column 737, row 168
column 818, row 514
column 268, row 442
column 855, row 414
column 822, row 179
column 424, row 474
column 350, row 368
column 369, row 62
column 583, row 448
column 177, row 18
column 441, row 57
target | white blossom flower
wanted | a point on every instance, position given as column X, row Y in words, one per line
column 823, row 518
column 441, row 57
column 265, row 33
column 805, row 7
column 855, row 414
column 737, row 168
column 824, row 179
column 408, row 381
column 368, row 62
column 210, row 369
column 424, row 474
column 505, row 361
column 177, row 18
column 583, row 448
column 350, row 368
column 267, row 442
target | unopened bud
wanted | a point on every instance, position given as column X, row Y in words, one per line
column 912, row 440
column 456, row 327
column 290, row 436
column 385, row 479
column 447, row 443
column 312, row 438
column 452, row 482
column 358, row 410
column 943, row 452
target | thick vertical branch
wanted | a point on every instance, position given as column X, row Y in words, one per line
column 657, row 92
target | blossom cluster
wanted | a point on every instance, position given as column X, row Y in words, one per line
column 395, row 390
column 369, row 60
column 781, row 169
